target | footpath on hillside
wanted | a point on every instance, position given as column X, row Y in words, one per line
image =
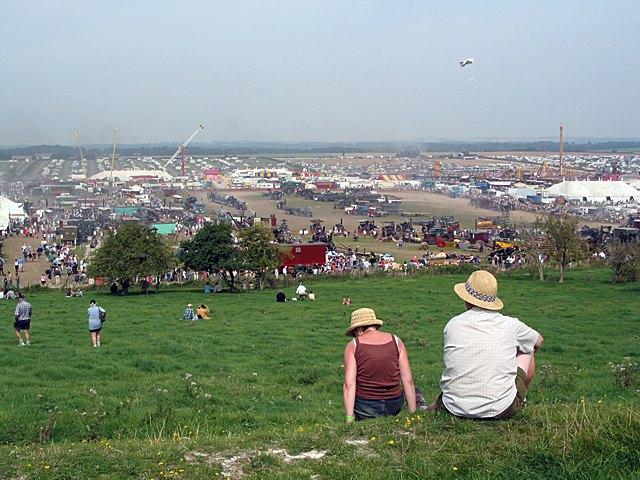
column 31, row 270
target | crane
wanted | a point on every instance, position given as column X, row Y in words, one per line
column 76, row 132
column 113, row 153
column 181, row 149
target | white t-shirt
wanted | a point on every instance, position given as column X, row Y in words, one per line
column 301, row 290
column 480, row 362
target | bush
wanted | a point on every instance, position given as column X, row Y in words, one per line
column 624, row 259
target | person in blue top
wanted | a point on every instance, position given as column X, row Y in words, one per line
column 96, row 316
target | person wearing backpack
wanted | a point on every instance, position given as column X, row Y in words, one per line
column 97, row 316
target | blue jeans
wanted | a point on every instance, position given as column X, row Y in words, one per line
column 365, row 409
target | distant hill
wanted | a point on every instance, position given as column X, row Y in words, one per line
column 275, row 148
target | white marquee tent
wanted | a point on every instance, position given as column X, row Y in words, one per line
column 595, row 191
column 10, row 210
column 128, row 175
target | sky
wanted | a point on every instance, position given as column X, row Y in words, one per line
column 316, row 70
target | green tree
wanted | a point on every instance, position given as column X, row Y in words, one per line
column 259, row 251
column 564, row 243
column 535, row 247
column 624, row 259
column 134, row 250
column 212, row 250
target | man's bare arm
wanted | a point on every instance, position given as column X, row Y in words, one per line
column 538, row 344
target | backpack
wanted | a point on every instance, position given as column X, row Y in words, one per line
column 102, row 315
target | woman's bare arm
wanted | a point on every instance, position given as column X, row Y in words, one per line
column 407, row 378
column 349, row 386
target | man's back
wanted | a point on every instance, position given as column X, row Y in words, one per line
column 23, row 311
column 480, row 349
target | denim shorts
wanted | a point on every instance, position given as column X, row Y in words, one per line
column 365, row 409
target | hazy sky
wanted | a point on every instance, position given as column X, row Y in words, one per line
column 289, row 70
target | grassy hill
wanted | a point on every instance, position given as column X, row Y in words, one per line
column 256, row 391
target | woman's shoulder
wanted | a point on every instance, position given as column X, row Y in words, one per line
column 351, row 344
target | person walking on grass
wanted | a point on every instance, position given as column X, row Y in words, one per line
column 488, row 357
column 96, row 315
column 22, row 320
column 377, row 374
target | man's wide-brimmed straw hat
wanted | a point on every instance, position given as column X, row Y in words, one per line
column 363, row 317
column 481, row 290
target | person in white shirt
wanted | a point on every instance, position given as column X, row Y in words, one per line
column 301, row 291
column 488, row 357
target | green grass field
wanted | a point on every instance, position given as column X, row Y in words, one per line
column 163, row 399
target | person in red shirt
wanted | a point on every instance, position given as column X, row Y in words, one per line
column 377, row 374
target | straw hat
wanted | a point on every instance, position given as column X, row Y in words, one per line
column 363, row 317
column 481, row 290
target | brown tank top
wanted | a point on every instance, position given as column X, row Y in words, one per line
column 378, row 370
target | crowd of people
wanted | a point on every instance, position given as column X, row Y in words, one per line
column 346, row 262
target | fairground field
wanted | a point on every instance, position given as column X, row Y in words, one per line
column 256, row 391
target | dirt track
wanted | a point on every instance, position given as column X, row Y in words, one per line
column 12, row 249
column 413, row 201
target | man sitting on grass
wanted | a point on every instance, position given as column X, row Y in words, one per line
column 488, row 357
column 301, row 291
column 189, row 314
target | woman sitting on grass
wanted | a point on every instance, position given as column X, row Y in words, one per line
column 203, row 312
column 377, row 374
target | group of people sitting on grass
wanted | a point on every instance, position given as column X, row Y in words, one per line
column 488, row 362
column 200, row 313
column 301, row 294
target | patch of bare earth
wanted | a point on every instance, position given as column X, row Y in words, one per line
column 233, row 465
column 362, row 445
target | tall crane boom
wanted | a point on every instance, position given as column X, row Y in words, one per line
column 182, row 147
column 76, row 133
column 561, row 148
column 113, row 153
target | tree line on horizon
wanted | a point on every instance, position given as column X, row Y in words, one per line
column 266, row 148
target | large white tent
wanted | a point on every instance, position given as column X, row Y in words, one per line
column 10, row 210
column 128, row 175
column 595, row 191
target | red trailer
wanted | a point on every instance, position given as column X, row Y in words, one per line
column 306, row 254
